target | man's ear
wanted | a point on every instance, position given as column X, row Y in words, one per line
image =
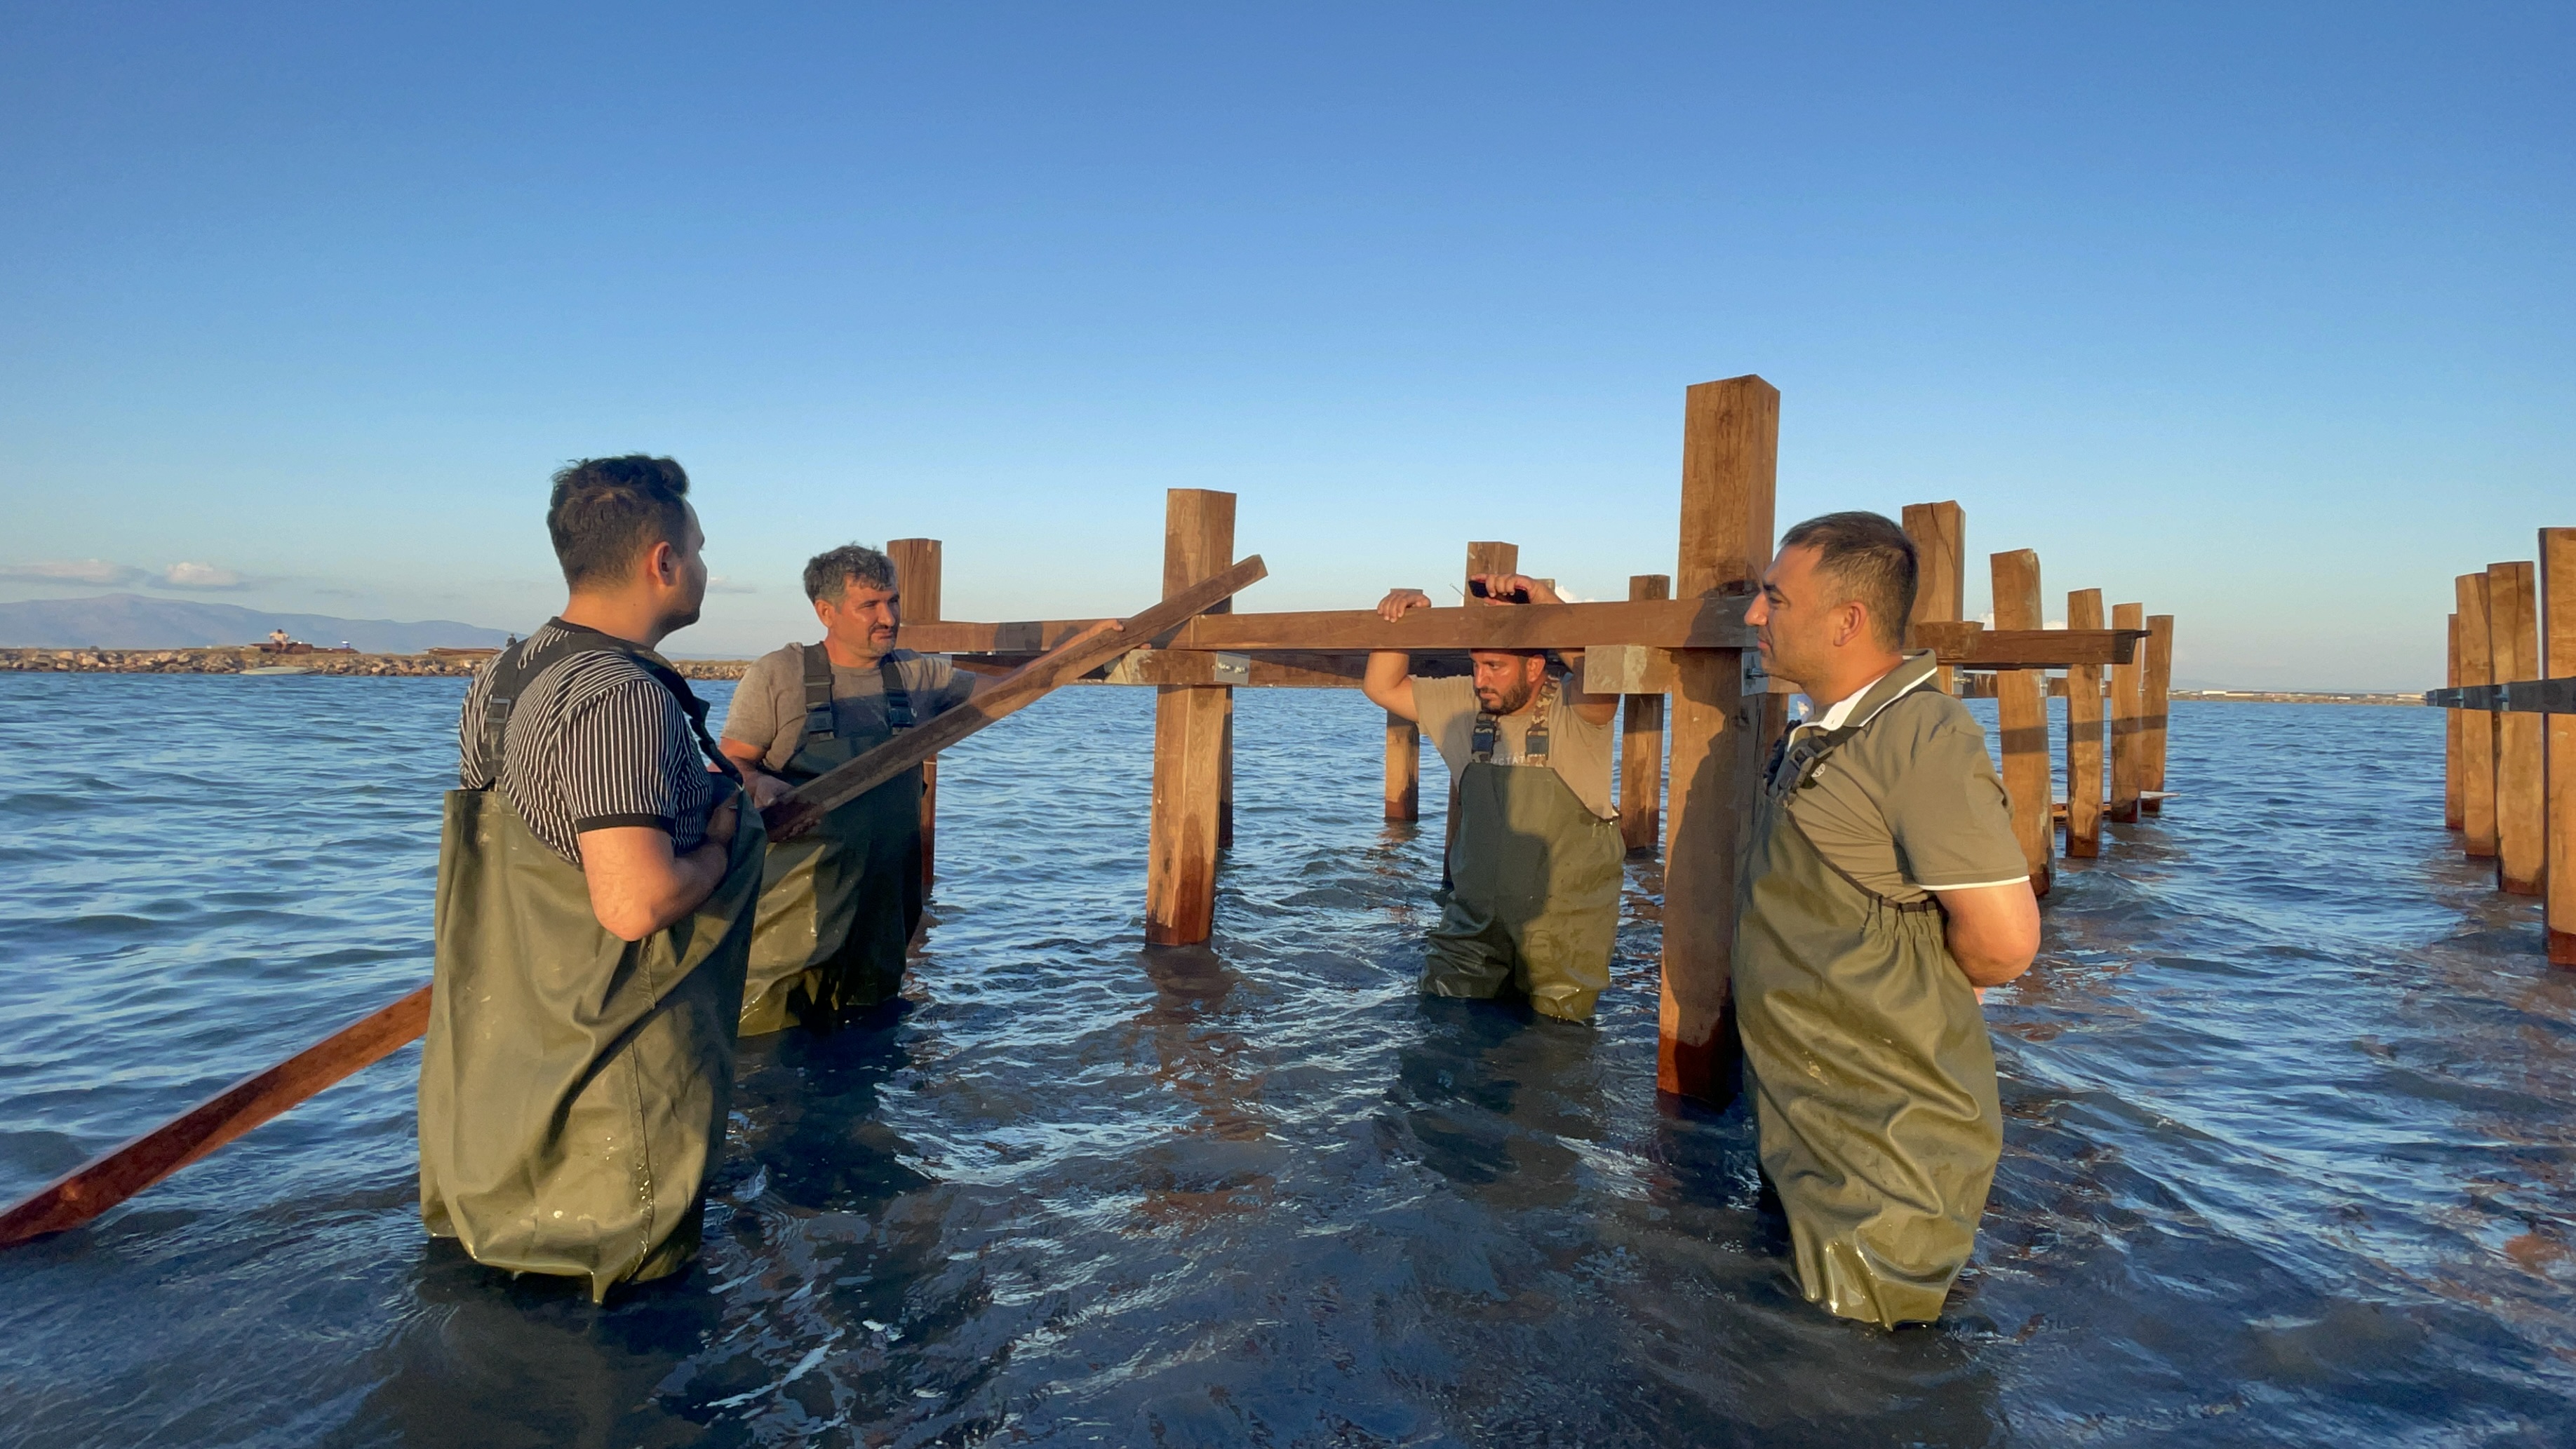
column 662, row 563
column 1855, row 624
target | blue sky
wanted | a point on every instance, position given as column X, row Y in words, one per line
column 2259, row 314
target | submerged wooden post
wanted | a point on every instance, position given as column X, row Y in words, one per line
column 2513, row 628
column 916, row 581
column 2127, row 696
column 2451, row 733
column 1940, row 534
column 2155, row 703
column 1189, row 741
column 2558, row 661
column 2021, row 719
column 2084, row 736
column 1641, row 747
column 2477, row 726
column 1730, row 468
column 1403, row 768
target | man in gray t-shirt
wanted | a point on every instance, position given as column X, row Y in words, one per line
column 838, row 906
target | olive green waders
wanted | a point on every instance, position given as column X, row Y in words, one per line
column 1532, row 904
column 1875, row 1083
column 573, row 1086
column 838, row 905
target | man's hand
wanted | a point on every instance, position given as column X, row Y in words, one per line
column 766, row 789
column 1993, row 931
column 1500, row 587
column 724, row 819
column 1399, row 601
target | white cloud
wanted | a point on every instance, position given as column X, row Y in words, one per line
column 201, row 576
column 719, row 584
column 92, row 571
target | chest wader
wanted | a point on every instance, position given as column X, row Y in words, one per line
column 1875, row 1082
column 573, row 1086
column 839, row 904
column 1532, row 900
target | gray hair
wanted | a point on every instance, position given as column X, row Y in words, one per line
column 832, row 571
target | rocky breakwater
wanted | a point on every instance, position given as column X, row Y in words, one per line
column 235, row 661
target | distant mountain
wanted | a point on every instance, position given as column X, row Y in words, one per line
column 132, row 621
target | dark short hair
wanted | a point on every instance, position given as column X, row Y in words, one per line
column 1871, row 559
column 828, row 573
column 606, row 512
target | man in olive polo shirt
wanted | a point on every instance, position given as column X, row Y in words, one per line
column 1882, row 892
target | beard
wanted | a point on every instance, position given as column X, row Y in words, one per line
column 1507, row 699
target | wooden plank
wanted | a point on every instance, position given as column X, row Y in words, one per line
column 2451, row 734
column 1641, row 743
column 2084, row 736
column 1187, row 827
column 1730, row 470
column 2558, row 660
column 2478, row 729
column 1025, row 686
column 2513, row 632
column 1940, row 534
column 2021, row 720
column 1716, row 622
column 1973, row 647
column 916, row 579
column 110, row 1178
column 2155, row 707
column 2128, row 695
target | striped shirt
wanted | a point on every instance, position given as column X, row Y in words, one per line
column 593, row 742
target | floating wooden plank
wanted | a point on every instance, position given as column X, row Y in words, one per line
column 1730, row 468
column 2478, row 731
column 2558, row 660
column 2021, row 720
column 112, row 1177
column 2084, row 736
column 2513, row 631
column 1641, row 736
column 1068, row 661
column 1186, row 823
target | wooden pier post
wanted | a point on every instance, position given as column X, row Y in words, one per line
column 2155, row 703
column 1641, row 747
column 916, row 582
column 2021, row 720
column 1940, row 534
column 1403, row 768
column 2128, row 694
column 1189, row 740
column 1730, row 470
column 2558, row 661
column 2451, row 735
column 2084, row 736
column 2477, row 727
column 2513, row 628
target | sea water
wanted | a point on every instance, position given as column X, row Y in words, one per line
column 2287, row 1146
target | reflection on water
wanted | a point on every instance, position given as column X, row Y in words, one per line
column 2287, row 1155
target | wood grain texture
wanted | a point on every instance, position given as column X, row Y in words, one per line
column 2513, row 634
column 1403, row 768
column 1709, row 623
column 2451, row 733
column 2084, row 736
column 1730, row 469
column 2021, row 720
column 112, row 1177
column 2477, row 727
column 916, row 580
column 2558, row 661
column 2127, row 698
column 1972, row 646
column 1940, row 534
column 1187, row 825
column 2155, row 711
column 1641, row 746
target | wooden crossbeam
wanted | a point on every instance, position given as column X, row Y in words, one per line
column 2521, row 696
column 1709, row 623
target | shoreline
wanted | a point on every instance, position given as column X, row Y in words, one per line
column 235, row 659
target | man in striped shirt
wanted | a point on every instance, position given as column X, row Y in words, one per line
column 595, row 895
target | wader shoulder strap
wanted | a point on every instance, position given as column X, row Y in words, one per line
column 518, row 667
column 820, row 722
column 1802, row 748
column 1533, row 743
column 898, row 699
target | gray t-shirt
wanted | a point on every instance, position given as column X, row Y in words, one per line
column 769, row 705
column 1577, row 749
column 1911, row 803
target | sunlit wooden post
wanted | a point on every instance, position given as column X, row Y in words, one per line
column 2451, row 735
column 916, row 581
column 2084, row 736
column 2558, row 661
column 2021, row 719
column 1730, row 467
column 2127, row 699
column 1641, row 747
column 1940, row 534
column 2513, row 629
column 1403, row 768
column 2477, row 726
column 2155, row 703
column 1189, row 740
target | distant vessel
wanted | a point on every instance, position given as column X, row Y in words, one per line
column 278, row 669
